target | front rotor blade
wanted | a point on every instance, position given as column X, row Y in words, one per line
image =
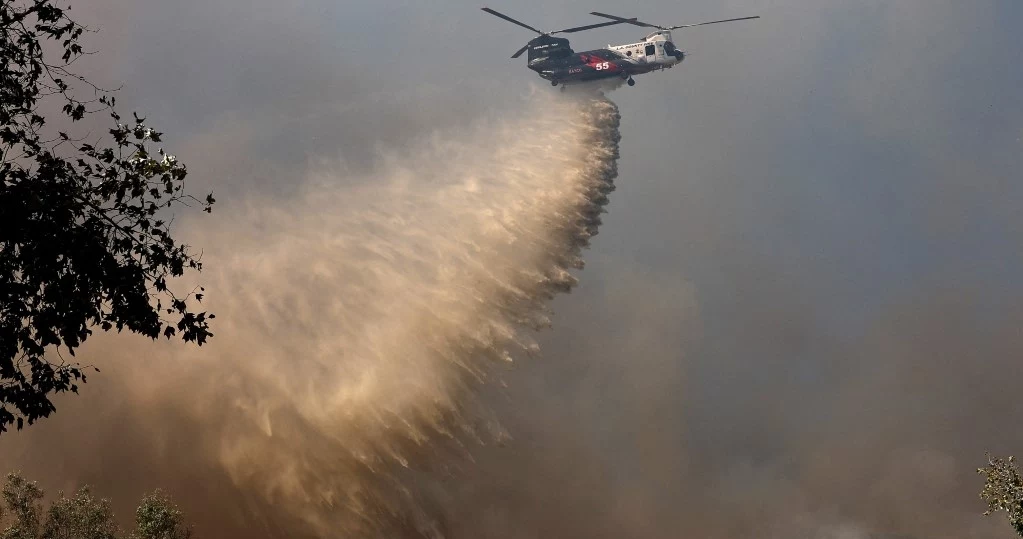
column 511, row 20
column 712, row 22
column 591, row 26
column 623, row 19
column 520, row 51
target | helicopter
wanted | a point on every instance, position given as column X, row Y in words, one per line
column 554, row 60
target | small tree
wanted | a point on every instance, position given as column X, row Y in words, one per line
column 158, row 518
column 1003, row 490
column 22, row 500
column 83, row 516
column 84, row 239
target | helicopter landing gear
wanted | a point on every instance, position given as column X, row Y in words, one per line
column 631, row 82
column 554, row 83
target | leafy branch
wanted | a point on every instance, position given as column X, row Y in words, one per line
column 85, row 228
column 1003, row 490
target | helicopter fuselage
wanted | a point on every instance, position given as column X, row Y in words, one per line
column 553, row 59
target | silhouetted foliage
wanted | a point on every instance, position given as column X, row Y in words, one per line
column 1003, row 490
column 83, row 516
column 84, row 236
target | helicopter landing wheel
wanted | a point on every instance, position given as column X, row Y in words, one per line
column 554, row 83
column 631, row 81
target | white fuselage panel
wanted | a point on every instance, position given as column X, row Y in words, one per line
column 649, row 52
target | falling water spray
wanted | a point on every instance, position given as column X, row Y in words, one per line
column 357, row 324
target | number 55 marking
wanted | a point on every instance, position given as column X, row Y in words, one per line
column 602, row 66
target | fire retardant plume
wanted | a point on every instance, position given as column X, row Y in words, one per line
column 355, row 324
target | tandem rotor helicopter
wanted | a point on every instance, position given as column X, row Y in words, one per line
column 554, row 60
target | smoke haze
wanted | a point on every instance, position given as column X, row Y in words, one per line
column 801, row 317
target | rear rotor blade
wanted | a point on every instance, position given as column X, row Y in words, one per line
column 711, row 22
column 520, row 51
column 623, row 19
column 511, row 20
column 591, row 26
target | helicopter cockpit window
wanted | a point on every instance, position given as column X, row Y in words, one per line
column 650, row 50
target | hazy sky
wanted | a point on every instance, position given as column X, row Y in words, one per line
column 802, row 315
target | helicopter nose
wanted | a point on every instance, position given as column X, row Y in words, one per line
column 670, row 48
